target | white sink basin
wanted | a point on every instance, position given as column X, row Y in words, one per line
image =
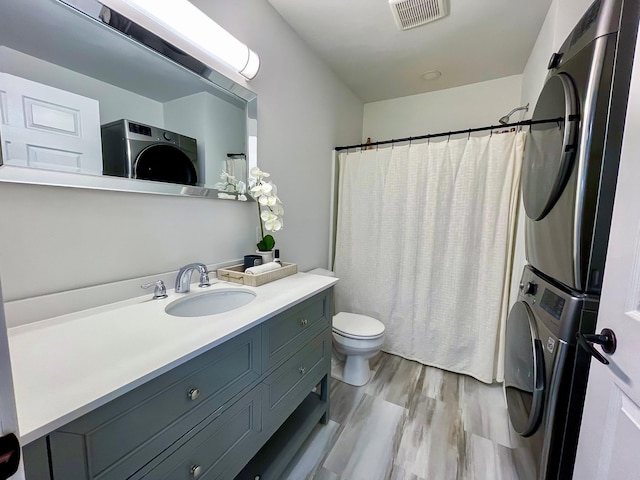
column 210, row 303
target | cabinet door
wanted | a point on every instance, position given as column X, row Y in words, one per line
column 221, row 448
column 49, row 128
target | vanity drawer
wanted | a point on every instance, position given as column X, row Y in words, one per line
column 290, row 383
column 284, row 334
column 117, row 439
column 220, row 449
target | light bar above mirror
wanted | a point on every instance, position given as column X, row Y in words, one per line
column 183, row 25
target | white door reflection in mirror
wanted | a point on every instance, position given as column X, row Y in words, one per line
column 49, row 128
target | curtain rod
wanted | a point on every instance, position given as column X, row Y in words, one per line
column 455, row 132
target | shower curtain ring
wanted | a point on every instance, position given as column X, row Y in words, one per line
column 448, row 137
column 491, row 133
column 469, row 135
column 410, row 140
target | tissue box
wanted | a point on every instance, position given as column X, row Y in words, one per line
column 235, row 274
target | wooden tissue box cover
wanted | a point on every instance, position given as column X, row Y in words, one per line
column 235, row 274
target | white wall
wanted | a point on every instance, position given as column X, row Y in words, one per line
column 215, row 123
column 303, row 113
column 54, row 239
column 474, row 105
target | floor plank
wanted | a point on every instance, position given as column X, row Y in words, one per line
column 414, row 422
column 366, row 447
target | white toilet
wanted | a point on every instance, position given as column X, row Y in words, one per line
column 356, row 338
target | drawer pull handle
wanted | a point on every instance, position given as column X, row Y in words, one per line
column 302, row 370
column 193, row 393
column 196, row 471
column 303, row 321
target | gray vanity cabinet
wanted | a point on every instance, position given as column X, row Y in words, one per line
column 115, row 440
column 208, row 417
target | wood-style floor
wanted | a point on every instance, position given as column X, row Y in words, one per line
column 413, row 422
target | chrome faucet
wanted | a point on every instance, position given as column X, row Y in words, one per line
column 159, row 292
column 183, row 281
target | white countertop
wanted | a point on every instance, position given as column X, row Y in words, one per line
column 67, row 366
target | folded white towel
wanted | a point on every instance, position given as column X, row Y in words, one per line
column 265, row 267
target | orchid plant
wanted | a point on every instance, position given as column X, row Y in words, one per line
column 270, row 211
column 231, row 188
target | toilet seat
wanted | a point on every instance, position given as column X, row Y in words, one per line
column 359, row 327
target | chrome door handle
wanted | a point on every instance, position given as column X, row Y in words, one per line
column 606, row 339
column 302, row 370
column 303, row 321
column 193, row 393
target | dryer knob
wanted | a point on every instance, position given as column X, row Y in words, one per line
column 554, row 61
column 531, row 288
column 167, row 136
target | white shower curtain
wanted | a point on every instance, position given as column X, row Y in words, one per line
column 424, row 242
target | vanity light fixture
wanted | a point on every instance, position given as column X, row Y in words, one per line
column 185, row 26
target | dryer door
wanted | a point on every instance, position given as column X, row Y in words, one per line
column 551, row 146
column 165, row 163
column 524, row 373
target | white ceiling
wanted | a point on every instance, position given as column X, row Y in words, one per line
column 479, row 40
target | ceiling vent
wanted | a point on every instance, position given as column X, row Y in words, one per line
column 413, row 13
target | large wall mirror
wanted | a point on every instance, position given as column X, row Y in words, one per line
column 89, row 99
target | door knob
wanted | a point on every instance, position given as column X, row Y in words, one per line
column 9, row 455
column 606, row 339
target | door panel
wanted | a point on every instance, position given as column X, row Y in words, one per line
column 610, row 432
column 49, row 128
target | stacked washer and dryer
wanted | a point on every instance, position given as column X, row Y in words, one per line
column 568, row 185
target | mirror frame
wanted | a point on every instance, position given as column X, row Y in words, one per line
column 213, row 78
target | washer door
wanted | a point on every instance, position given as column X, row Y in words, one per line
column 524, row 380
column 165, row 163
column 551, row 146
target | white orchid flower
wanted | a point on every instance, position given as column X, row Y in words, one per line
column 259, row 174
column 266, row 215
column 270, row 209
column 267, row 200
column 273, row 225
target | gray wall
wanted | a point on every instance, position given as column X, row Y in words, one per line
column 54, row 239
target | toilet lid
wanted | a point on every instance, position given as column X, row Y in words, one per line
column 357, row 326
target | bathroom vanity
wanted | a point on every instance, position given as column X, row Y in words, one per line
column 233, row 396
